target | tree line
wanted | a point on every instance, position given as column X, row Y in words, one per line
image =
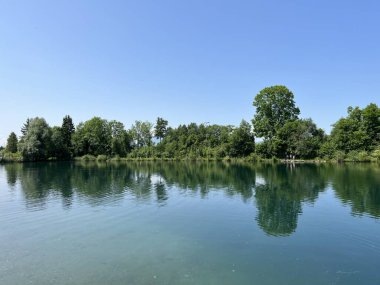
column 276, row 122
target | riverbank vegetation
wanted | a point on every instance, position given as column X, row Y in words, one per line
column 276, row 122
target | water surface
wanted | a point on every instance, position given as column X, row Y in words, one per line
column 189, row 223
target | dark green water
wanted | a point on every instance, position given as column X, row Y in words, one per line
column 189, row 223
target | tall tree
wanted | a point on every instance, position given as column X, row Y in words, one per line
column 67, row 130
column 274, row 107
column 12, row 143
column 25, row 127
column 160, row 128
column 59, row 148
column 121, row 141
column 142, row 133
column 36, row 143
column 242, row 141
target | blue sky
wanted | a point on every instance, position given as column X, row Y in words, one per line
column 186, row 61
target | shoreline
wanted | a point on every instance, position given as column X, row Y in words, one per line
column 249, row 159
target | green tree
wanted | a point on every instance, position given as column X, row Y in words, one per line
column 274, row 107
column 242, row 141
column 371, row 124
column 59, row 149
column 360, row 130
column 93, row 137
column 12, row 143
column 327, row 149
column 160, row 128
column 36, row 143
column 67, row 130
column 25, row 127
column 121, row 141
column 141, row 133
column 301, row 138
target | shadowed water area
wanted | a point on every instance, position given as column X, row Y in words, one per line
column 189, row 223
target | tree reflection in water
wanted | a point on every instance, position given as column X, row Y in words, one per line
column 278, row 190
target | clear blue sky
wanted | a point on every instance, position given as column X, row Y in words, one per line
column 199, row 60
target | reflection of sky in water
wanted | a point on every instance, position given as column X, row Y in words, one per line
column 260, row 180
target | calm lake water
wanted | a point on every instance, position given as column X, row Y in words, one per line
column 189, row 223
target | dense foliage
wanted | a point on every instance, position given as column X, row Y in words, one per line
column 283, row 135
column 275, row 106
column 12, row 143
column 276, row 121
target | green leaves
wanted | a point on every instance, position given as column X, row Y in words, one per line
column 35, row 144
column 161, row 128
column 242, row 141
column 93, row 137
column 12, row 143
column 300, row 138
column 141, row 133
column 274, row 107
column 360, row 130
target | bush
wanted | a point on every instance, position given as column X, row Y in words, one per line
column 6, row 156
column 352, row 156
column 252, row 158
column 376, row 154
column 275, row 159
column 339, row 156
column 116, row 158
column 101, row 157
column 363, row 156
column 356, row 156
column 88, row 157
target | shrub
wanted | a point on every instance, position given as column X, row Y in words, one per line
column 339, row 156
column 253, row 157
column 88, row 157
column 356, row 156
column 363, row 156
column 376, row 154
column 352, row 156
column 6, row 156
column 101, row 157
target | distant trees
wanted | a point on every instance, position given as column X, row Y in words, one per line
column 207, row 141
column 354, row 137
column 12, row 143
column 360, row 130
